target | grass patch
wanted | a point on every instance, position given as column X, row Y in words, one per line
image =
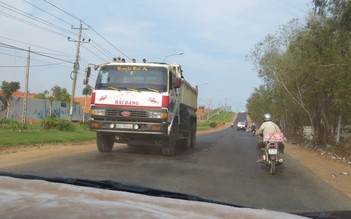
column 36, row 135
column 201, row 126
column 223, row 117
column 219, row 119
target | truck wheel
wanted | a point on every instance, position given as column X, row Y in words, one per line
column 190, row 141
column 169, row 143
column 193, row 135
column 168, row 146
column 187, row 142
column 104, row 142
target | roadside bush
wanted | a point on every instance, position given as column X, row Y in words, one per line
column 84, row 125
column 48, row 123
column 13, row 124
column 19, row 126
column 6, row 123
column 65, row 125
column 213, row 124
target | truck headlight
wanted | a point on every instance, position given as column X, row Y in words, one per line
column 158, row 115
column 97, row 112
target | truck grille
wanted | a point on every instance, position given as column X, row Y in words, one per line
column 118, row 113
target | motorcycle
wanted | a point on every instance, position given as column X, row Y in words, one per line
column 253, row 132
column 272, row 156
column 253, row 129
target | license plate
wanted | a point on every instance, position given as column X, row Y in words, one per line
column 272, row 151
column 124, row 126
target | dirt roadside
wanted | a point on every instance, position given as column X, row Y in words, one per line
column 334, row 172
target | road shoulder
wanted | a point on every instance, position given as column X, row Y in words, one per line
column 333, row 171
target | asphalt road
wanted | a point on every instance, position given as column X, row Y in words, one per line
column 221, row 167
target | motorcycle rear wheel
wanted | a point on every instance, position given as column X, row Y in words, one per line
column 272, row 167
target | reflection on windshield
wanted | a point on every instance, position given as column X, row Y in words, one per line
column 133, row 78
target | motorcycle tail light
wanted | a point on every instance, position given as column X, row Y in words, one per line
column 272, row 145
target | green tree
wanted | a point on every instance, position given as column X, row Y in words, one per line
column 305, row 69
column 57, row 93
column 8, row 89
column 60, row 94
column 43, row 95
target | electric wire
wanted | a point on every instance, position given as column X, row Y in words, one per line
column 58, row 53
column 62, row 10
column 32, row 66
column 99, row 48
column 50, row 27
column 48, row 13
column 34, row 52
column 120, row 51
column 31, row 24
column 99, row 57
column 32, row 17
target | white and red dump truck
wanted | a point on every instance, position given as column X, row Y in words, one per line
column 146, row 104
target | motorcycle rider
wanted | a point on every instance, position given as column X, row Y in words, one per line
column 253, row 128
column 268, row 128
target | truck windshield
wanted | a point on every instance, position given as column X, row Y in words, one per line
column 137, row 77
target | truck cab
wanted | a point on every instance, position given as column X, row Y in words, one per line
column 147, row 104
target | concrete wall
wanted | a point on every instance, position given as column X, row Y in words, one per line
column 38, row 109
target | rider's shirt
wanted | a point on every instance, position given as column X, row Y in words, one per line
column 271, row 132
column 268, row 127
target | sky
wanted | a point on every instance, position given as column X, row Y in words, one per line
column 215, row 37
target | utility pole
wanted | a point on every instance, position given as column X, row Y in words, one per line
column 75, row 70
column 24, row 111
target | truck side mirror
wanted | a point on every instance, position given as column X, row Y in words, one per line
column 177, row 82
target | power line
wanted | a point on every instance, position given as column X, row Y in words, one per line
column 7, row 54
column 30, row 23
column 78, row 19
column 32, row 17
column 99, row 57
column 32, row 66
column 110, row 43
column 59, row 53
column 52, row 26
column 48, row 13
column 101, row 49
column 34, row 52
column 90, row 28
column 22, row 57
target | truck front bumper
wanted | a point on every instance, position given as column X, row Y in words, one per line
column 128, row 127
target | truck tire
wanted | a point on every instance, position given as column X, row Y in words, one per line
column 193, row 134
column 104, row 142
column 169, row 143
column 187, row 142
column 190, row 141
column 168, row 146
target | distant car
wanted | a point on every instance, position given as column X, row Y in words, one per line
column 241, row 126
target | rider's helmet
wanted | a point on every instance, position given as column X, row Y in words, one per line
column 267, row 117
